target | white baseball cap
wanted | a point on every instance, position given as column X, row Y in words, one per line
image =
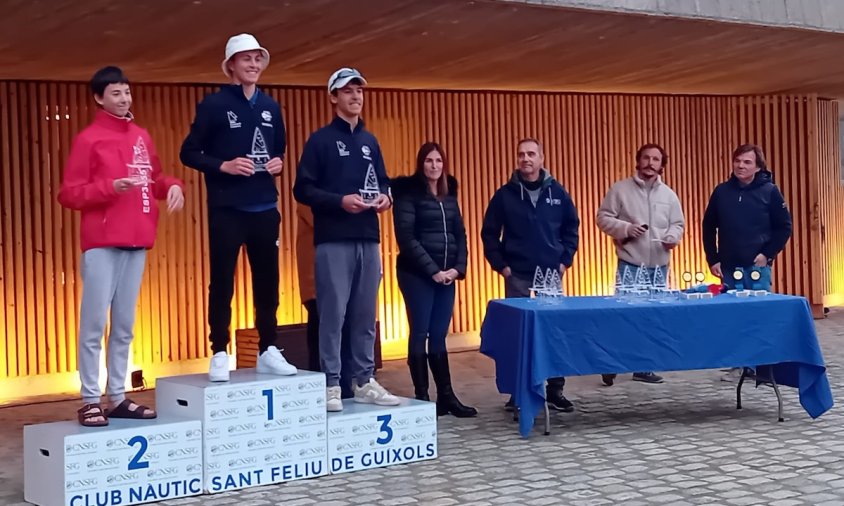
column 241, row 43
column 342, row 77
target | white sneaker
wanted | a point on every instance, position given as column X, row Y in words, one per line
column 273, row 362
column 373, row 393
column 219, row 370
column 333, row 400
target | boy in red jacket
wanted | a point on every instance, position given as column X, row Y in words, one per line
column 112, row 175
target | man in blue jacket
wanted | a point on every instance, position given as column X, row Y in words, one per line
column 237, row 141
column 341, row 176
column 531, row 222
column 749, row 217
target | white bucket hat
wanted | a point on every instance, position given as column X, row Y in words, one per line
column 342, row 77
column 239, row 44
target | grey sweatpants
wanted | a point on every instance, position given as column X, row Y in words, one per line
column 347, row 276
column 110, row 277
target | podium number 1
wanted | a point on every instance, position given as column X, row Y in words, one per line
column 385, row 428
column 135, row 462
column 268, row 393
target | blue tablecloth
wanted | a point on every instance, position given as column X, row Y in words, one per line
column 531, row 342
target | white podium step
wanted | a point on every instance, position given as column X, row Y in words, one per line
column 257, row 428
column 127, row 462
column 366, row 436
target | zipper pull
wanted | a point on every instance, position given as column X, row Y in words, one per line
column 739, row 197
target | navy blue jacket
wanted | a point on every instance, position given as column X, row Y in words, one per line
column 334, row 163
column 518, row 235
column 747, row 220
column 224, row 129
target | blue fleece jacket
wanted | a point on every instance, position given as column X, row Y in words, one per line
column 228, row 126
column 746, row 220
column 335, row 163
column 518, row 235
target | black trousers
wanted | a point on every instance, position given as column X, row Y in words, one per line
column 228, row 230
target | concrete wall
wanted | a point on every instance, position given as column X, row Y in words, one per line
column 826, row 15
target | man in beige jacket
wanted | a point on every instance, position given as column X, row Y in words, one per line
column 644, row 218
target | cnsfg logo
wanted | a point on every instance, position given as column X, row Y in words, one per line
column 193, row 433
column 224, row 413
column 278, row 423
column 163, row 437
column 256, row 409
column 297, row 437
column 312, row 452
column 307, row 386
column 243, row 393
column 336, row 431
column 176, row 453
column 162, row 472
column 277, row 457
column 80, row 484
column 350, row 446
column 194, row 468
column 283, row 389
column 298, row 403
column 366, row 427
column 225, row 447
column 414, row 437
column 73, row 466
column 261, row 443
column 425, row 419
column 212, row 396
column 243, row 462
column 320, row 418
column 102, row 463
column 117, row 442
column 242, row 428
column 121, row 478
column 75, row 448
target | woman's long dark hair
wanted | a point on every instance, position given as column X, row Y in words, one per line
column 442, row 182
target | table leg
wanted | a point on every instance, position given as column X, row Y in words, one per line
column 547, row 420
column 738, row 388
column 779, row 397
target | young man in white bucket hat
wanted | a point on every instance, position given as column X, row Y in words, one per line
column 341, row 177
column 237, row 141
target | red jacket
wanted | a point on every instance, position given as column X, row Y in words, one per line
column 113, row 148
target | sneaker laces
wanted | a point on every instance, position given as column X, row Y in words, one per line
column 381, row 391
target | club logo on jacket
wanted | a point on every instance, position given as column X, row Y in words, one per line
column 341, row 149
column 140, row 171
column 553, row 202
column 267, row 116
column 366, row 151
column 233, row 123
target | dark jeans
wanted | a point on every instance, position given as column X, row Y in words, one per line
column 228, row 230
column 312, row 332
column 515, row 287
column 429, row 309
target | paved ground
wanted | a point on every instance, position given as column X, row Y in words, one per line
column 678, row 443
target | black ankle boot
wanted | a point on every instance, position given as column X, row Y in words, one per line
column 418, row 365
column 447, row 402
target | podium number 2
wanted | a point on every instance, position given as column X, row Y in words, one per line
column 385, row 428
column 268, row 393
column 135, row 462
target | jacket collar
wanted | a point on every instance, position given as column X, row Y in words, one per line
column 344, row 126
column 112, row 122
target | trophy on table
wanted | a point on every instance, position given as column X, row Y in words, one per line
column 259, row 155
column 370, row 191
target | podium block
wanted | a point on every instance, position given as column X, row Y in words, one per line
column 126, row 462
column 366, row 436
column 257, row 429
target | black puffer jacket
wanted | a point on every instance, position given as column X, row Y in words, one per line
column 430, row 233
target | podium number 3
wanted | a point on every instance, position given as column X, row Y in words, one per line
column 268, row 393
column 135, row 462
column 385, row 428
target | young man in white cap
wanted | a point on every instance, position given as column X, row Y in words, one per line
column 341, row 176
column 237, row 141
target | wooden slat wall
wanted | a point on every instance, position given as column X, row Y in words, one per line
column 590, row 141
column 831, row 175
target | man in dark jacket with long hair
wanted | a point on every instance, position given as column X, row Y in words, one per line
column 749, row 218
column 531, row 222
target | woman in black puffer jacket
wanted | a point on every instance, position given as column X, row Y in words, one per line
column 432, row 255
